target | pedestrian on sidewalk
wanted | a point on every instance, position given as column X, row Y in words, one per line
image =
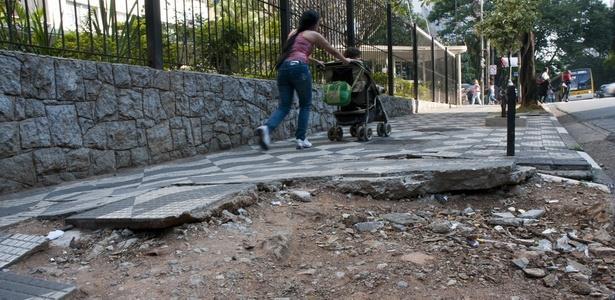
column 544, row 82
column 294, row 76
column 491, row 94
column 476, row 93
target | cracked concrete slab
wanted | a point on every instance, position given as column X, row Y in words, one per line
column 448, row 176
column 162, row 208
column 196, row 198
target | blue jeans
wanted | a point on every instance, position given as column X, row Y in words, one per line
column 293, row 76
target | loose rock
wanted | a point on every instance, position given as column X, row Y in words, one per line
column 468, row 211
column 403, row 218
column 402, row 284
column 534, row 272
column 550, row 280
column 532, row 214
column 563, row 245
column 521, row 262
column 580, row 288
column 504, row 215
column 441, row 226
column 543, row 245
column 301, row 196
column 601, row 251
column 126, row 232
column 511, row 221
column 277, row 245
column 574, row 267
column 368, row 226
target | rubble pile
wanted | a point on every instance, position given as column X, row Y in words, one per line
column 538, row 240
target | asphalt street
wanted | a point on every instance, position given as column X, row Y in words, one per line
column 592, row 124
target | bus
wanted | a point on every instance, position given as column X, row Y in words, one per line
column 582, row 85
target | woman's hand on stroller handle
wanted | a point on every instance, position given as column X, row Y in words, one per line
column 320, row 65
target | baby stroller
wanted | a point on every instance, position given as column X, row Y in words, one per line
column 364, row 106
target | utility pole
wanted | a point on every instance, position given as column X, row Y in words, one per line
column 482, row 57
column 488, row 65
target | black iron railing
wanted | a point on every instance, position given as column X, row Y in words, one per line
column 235, row 37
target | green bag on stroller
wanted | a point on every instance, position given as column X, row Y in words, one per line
column 338, row 93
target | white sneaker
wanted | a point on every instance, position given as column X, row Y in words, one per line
column 303, row 144
column 263, row 137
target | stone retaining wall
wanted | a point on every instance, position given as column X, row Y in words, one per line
column 64, row 119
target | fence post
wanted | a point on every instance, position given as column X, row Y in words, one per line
column 446, row 75
column 433, row 69
column 284, row 21
column 350, row 31
column 415, row 56
column 511, row 98
column 457, row 84
column 390, row 67
column 154, row 33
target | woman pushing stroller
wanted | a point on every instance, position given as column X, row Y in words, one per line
column 294, row 76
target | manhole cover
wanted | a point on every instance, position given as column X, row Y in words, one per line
column 439, row 129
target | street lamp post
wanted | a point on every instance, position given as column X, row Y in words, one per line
column 482, row 57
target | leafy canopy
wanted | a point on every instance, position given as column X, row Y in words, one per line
column 508, row 21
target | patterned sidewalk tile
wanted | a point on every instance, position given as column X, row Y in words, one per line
column 160, row 208
column 15, row 246
column 457, row 133
column 17, row 287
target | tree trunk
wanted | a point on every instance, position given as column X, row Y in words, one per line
column 527, row 72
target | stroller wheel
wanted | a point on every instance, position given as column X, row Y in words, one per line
column 369, row 135
column 387, row 130
column 360, row 133
column 380, row 130
column 339, row 134
column 331, row 134
column 353, row 131
column 365, row 134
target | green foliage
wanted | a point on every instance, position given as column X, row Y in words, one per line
column 23, row 32
column 457, row 21
column 247, row 44
column 576, row 34
column 380, row 78
column 241, row 46
column 508, row 21
column 403, row 88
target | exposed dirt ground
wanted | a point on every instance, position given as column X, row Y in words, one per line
column 284, row 248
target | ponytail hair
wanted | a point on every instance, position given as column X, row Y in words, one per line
column 309, row 20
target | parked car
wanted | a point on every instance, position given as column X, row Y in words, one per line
column 606, row 90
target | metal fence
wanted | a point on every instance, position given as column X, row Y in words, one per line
column 237, row 37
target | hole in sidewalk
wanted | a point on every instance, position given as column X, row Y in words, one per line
column 402, row 156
